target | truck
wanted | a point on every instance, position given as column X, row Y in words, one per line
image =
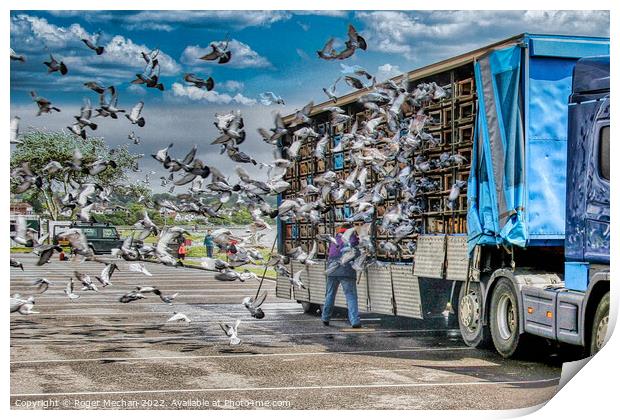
column 523, row 251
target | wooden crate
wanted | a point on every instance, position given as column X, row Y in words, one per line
column 446, row 116
column 465, row 133
column 466, row 111
column 465, row 88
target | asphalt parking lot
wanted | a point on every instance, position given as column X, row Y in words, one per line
column 99, row 353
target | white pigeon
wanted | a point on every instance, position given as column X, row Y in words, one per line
column 231, row 331
column 178, row 316
column 139, row 268
column 69, row 290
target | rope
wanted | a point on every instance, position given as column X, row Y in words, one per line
column 265, row 271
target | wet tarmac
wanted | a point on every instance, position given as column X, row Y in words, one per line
column 99, row 353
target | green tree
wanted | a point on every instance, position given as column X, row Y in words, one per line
column 39, row 148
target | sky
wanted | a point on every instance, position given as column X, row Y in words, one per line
column 272, row 51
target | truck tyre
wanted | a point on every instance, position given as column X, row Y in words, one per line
column 599, row 325
column 504, row 319
column 469, row 309
column 310, row 308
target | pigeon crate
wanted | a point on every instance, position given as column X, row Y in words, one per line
column 321, row 249
column 447, row 136
column 465, row 134
column 466, row 112
column 339, row 128
column 290, row 172
column 347, row 211
column 338, row 214
column 435, row 204
column 305, row 151
column 320, row 166
column 446, row 116
column 434, row 224
column 338, row 161
column 306, row 168
column 407, row 248
column 303, row 231
column 460, row 204
column 323, row 229
column 288, row 246
column 334, row 141
column 465, row 88
column 436, row 119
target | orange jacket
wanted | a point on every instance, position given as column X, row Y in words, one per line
column 182, row 249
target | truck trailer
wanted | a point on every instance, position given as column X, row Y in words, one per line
column 524, row 249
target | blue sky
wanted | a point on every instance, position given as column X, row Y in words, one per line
column 272, row 51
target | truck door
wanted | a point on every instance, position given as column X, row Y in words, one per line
column 597, row 198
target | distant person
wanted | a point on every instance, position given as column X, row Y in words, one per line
column 344, row 274
column 208, row 242
column 232, row 247
column 62, row 256
column 182, row 251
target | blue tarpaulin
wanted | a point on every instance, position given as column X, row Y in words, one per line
column 496, row 182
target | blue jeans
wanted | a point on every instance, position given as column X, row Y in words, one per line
column 210, row 251
column 349, row 286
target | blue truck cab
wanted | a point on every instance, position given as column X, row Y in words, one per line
column 542, row 202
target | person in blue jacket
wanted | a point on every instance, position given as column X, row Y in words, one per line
column 343, row 274
column 208, row 243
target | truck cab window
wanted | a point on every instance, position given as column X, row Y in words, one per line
column 603, row 154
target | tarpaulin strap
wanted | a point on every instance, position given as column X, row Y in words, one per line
column 509, row 213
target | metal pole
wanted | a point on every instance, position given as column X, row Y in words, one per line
column 265, row 271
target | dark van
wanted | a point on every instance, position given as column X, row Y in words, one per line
column 101, row 237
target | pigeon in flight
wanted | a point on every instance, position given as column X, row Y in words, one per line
column 179, row 317
column 131, row 296
column 196, row 81
column 134, row 115
column 268, row 98
column 132, row 136
column 96, row 87
column 219, row 51
column 53, row 65
column 22, row 306
column 45, row 106
column 139, row 268
column 331, row 92
column 42, row 284
column 98, row 49
column 15, row 263
column 15, row 130
column 17, row 57
column 296, row 280
column 253, row 305
column 106, row 274
column 69, row 290
column 109, row 108
column 231, row 332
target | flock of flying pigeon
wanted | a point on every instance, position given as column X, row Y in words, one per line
column 209, row 188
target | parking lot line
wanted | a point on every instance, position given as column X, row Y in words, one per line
column 292, row 388
column 227, row 356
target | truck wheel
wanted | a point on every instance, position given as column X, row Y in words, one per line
column 600, row 324
column 504, row 319
column 310, row 308
column 474, row 333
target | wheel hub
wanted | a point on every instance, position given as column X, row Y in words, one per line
column 601, row 331
column 506, row 317
column 469, row 311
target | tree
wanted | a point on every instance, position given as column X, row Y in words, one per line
column 39, row 148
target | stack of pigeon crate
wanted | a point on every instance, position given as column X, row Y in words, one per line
column 451, row 122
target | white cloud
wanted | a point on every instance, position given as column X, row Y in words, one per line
column 36, row 38
column 243, row 56
column 231, row 18
column 136, row 89
column 387, row 71
column 231, row 85
column 440, row 33
column 197, row 94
